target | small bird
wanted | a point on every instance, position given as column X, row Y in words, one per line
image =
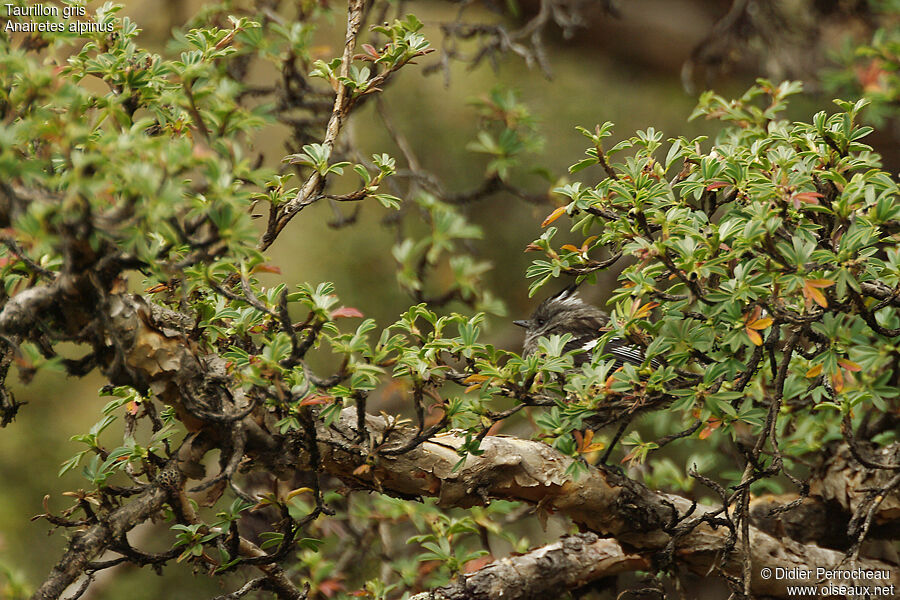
column 566, row 312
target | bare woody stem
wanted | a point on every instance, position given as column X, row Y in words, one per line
column 314, row 185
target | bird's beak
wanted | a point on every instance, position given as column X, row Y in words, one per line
column 522, row 323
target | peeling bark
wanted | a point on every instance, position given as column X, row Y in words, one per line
column 543, row 573
column 602, row 501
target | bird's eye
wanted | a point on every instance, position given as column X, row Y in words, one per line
column 540, row 322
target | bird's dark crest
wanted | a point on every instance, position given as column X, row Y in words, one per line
column 568, row 292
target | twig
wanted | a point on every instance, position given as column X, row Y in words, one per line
column 260, row 583
column 312, row 188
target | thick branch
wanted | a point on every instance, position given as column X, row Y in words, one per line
column 545, row 572
column 602, row 501
column 89, row 544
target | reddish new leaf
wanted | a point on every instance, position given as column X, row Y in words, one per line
column 346, row 312
column 267, row 268
column 849, row 365
column 711, row 425
column 316, row 399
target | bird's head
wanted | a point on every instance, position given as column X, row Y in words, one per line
column 562, row 313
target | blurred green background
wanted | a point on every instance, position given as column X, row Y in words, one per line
column 624, row 69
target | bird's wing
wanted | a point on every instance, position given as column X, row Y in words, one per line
column 621, row 350
column 625, row 352
column 585, row 333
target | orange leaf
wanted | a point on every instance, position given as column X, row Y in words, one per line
column 362, row 469
column 267, row 268
column 345, row 311
column 493, row 429
column 849, row 365
column 609, row 382
column 753, row 316
column 579, row 439
column 570, row 248
column 587, row 444
column 818, row 297
column 754, row 337
column 760, row 323
column 477, row 564
column 837, row 380
column 317, row 399
column 553, row 216
column 711, row 425
column 644, row 310
column 809, row 197
column 532, row 248
column 155, row 289
column 476, row 378
column 819, row 283
column 815, row 371
column 588, row 436
column 812, row 293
